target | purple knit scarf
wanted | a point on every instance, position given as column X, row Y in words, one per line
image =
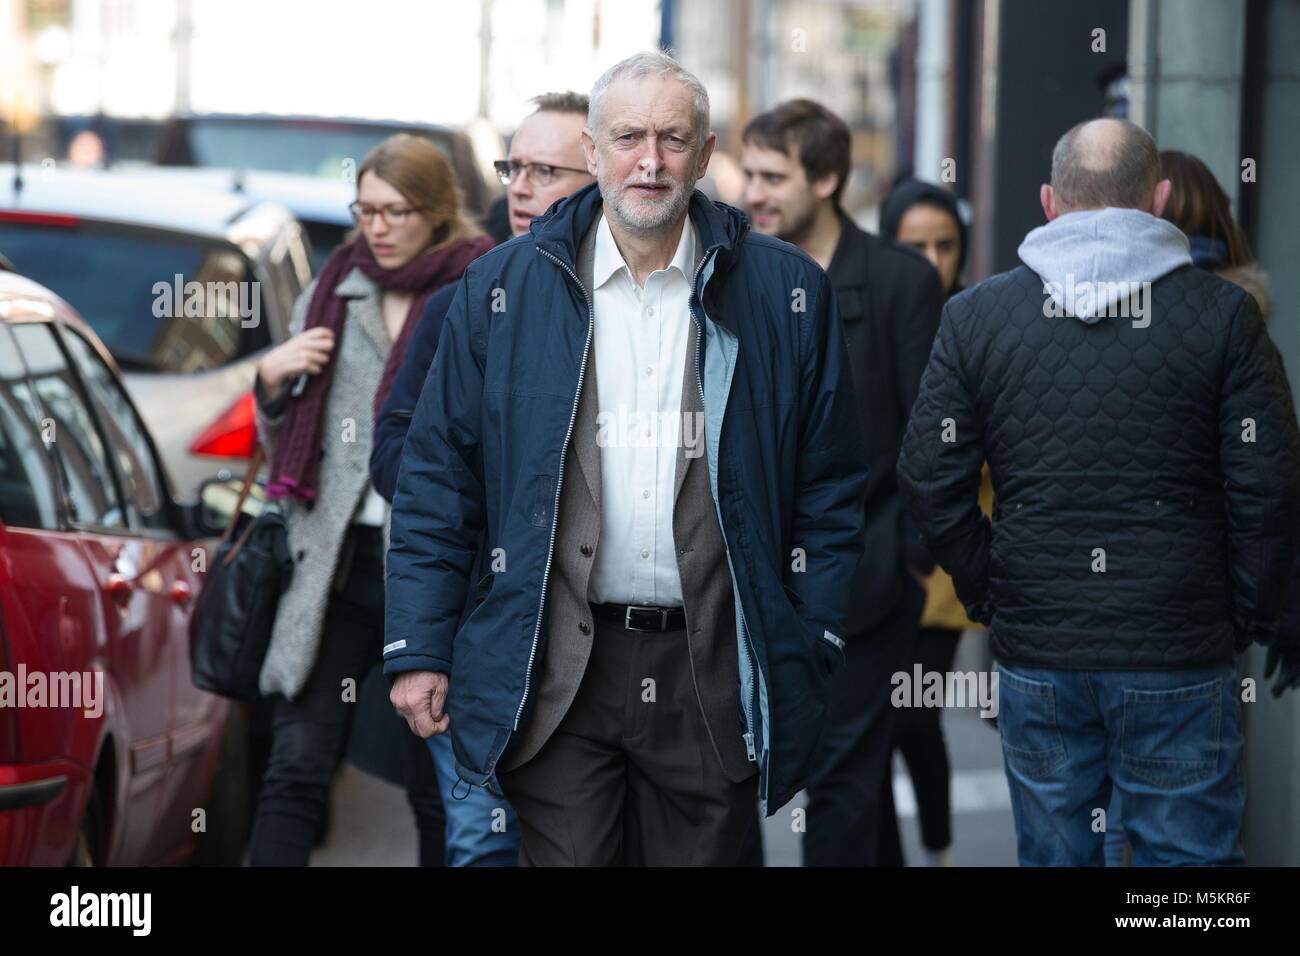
column 295, row 466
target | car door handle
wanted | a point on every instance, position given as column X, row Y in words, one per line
column 180, row 593
column 119, row 587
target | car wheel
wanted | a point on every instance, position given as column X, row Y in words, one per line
column 229, row 808
column 90, row 837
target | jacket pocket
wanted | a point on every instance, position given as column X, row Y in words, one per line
column 406, row 413
column 484, row 586
column 544, row 501
column 828, row 648
column 831, row 651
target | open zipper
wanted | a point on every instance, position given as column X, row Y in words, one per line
column 750, row 656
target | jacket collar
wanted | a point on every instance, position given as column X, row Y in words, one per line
column 355, row 285
column 848, row 269
column 848, row 263
column 609, row 260
column 561, row 229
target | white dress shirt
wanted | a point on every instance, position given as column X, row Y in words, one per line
column 640, row 353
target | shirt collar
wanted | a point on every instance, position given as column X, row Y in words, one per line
column 608, row 260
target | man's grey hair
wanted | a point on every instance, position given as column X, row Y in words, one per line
column 642, row 65
column 564, row 102
column 1107, row 162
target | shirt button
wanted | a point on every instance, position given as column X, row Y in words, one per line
column 584, row 627
column 645, row 553
column 650, row 311
column 649, row 371
column 586, row 550
column 646, row 493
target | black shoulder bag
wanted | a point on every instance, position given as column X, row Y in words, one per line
column 231, row 625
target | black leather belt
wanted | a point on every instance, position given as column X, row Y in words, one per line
column 636, row 617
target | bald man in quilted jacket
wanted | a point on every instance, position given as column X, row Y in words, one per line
column 1143, row 447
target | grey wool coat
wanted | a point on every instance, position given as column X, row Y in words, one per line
column 316, row 535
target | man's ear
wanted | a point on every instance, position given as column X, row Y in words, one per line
column 1048, row 200
column 703, row 164
column 1161, row 199
column 825, row 187
column 589, row 150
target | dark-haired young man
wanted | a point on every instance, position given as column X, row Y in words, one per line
column 796, row 163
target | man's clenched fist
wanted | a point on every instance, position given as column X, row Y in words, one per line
column 420, row 697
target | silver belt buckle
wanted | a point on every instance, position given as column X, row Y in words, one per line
column 627, row 617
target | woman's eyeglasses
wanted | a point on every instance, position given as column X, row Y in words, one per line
column 539, row 174
column 393, row 215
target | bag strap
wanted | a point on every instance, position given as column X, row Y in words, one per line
column 239, row 545
column 254, row 466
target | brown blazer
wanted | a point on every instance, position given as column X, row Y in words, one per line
column 701, row 561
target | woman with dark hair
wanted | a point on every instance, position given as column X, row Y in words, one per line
column 1200, row 208
column 927, row 218
column 316, row 396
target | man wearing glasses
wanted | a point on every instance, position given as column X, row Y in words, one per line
column 546, row 160
column 545, row 165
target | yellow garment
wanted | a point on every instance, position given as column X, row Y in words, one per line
column 942, row 608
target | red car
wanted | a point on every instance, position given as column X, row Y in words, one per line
column 108, row 753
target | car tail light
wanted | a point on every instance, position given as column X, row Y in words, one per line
column 39, row 218
column 8, row 715
column 233, row 435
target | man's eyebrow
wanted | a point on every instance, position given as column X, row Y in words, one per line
column 540, row 162
column 684, row 132
column 618, row 129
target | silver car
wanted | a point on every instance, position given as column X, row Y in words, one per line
column 185, row 286
column 320, row 205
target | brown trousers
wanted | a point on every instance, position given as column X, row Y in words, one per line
column 630, row 776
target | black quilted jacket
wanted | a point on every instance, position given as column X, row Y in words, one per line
column 1135, row 526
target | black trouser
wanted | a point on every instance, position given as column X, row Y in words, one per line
column 309, row 732
column 919, row 737
column 850, row 815
column 628, row 781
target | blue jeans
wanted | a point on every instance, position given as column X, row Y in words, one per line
column 482, row 829
column 1170, row 742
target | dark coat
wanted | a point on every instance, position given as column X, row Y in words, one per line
column 395, row 416
column 486, row 449
column 1116, row 443
column 890, row 300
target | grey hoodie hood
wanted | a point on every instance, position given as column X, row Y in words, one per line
column 1093, row 263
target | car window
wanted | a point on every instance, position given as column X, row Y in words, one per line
column 84, row 466
column 157, row 300
column 289, row 146
column 142, row 487
column 325, row 237
column 28, row 483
